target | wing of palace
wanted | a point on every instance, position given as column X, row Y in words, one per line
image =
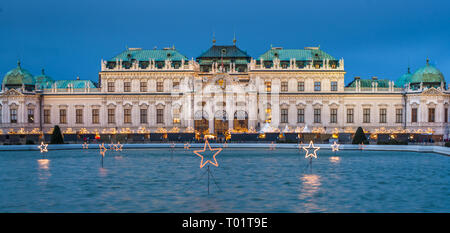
column 224, row 89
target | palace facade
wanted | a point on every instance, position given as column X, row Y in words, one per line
column 225, row 89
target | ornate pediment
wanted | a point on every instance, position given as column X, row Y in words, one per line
column 431, row 91
column 12, row 92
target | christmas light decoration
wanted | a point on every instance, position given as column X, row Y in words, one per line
column 335, row 147
column 309, row 147
column 202, row 162
column 43, row 147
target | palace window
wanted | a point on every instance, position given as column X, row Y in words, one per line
column 268, row 85
column 63, row 116
column 366, row 115
column 127, row 116
column 413, row 114
column 268, row 115
column 110, row 86
column 445, row 115
column 159, row 116
column 350, row 115
column 159, row 86
column 300, row 115
column 79, row 116
column 284, row 86
column 46, row 116
column 13, row 115
column 176, row 85
column 398, row 115
column 300, row 86
column 317, row 115
column 284, row 116
column 317, row 86
column 30, row 115
column 111, row 116
column 383, row 115
column 143, row 87
column 334, row 86
column 127, row 86
column 333, row 115
column 431, row 116
column 143, row 116
column 176, row 116
column 95, row 116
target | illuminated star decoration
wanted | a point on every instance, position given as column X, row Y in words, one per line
column 43, row 147
column 361, row 146
column 187, row 146
column 85, row 145
column 117, row 147
column 313, row 154
column 202, row 162
column 102, row 149
column 335, row 147
column 272, row 146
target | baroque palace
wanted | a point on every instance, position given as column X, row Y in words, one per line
column 225, row 90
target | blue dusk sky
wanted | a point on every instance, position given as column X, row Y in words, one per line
column 375, row 37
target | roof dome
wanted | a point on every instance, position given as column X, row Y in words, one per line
column 404, row 79
column 43, row 81
column 18, row 76
column 427, row 74
column 43, row 78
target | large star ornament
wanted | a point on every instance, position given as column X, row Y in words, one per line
column 311, row 147
column 202, row 162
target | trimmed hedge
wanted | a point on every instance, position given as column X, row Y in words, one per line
column 360, row 137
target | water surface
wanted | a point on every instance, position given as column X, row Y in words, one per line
column 247, row 180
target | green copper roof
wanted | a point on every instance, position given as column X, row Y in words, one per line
column 298, row 54
column 43, row 78
column 76, row 83
column 366, row 83
column 427, row 74
column 404, row 79
column 225, row 51
column 18, row 76
column 150, row 54
column 225, row 62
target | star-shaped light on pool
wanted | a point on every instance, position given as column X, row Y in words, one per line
column 202, row 162
column 311, row 147
column 102, row 149
column 43, row 147
column 361, row 146
column 335, row 147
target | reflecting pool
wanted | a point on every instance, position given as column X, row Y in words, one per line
column 247, row 180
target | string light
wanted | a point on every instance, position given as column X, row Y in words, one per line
column 361, row 146
column 335, row 147
column 102, row 149
column 43, row 147
column 85, row 145
column 272, row 146
column 314, row 153
column 202, row 162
